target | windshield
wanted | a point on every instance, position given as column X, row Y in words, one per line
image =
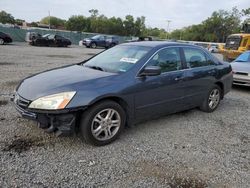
column 96, row 37
column 118, row 59
column 46, row 35
column 245, row 57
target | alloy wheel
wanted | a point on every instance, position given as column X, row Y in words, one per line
column 106, row 124
column 93, row 45
column 214, row 98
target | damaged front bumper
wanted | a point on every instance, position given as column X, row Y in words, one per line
column 61, row 122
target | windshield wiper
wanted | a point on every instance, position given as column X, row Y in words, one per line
column 94, row 67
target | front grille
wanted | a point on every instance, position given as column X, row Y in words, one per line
column 21, row 102
column 233, row 43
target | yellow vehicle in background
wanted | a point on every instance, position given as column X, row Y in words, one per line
column 236, row 44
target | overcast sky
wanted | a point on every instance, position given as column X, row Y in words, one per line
column 181, row 12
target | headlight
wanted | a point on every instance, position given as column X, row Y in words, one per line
column 53, row 102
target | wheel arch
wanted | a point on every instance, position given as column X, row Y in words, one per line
column 122, row 102
column 116, row 99
column 221, row 85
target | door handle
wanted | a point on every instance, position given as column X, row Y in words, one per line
column 211, row 71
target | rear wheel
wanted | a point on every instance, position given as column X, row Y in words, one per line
column 102, row 123
column 1, row 42
column 212, row 99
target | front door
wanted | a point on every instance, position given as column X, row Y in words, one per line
column 162, row 94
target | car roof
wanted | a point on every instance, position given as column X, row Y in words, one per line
column 158, row 44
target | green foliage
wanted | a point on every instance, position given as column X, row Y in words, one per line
column 78, row 23
column 6, row 18
column 19, row 21
column 216, row 28
column 53, row 21
column 97, row 23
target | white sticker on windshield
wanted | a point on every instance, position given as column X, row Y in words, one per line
column 128, row 60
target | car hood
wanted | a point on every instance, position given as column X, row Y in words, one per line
column 241, row 67
column 69, row 78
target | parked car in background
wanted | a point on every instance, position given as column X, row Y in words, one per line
column 4, row 38
column 100, row 41
column 30, row 36
column 50, row 40
column 241, row 69
column 213, row 48
column 126, row 84
column 137, row 39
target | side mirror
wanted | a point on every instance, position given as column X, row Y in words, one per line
column 151, row 71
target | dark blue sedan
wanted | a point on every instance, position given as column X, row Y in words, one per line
column 123, row 85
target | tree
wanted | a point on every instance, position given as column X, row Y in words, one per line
column 78, row 23
column 246, row 14
column 129, row 25
column 216, row 28
column 19, row 21
column 6, row 18
column 53, row 21
column 140, row 26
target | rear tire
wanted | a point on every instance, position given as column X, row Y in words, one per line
column 102, row 123
column 212, row 99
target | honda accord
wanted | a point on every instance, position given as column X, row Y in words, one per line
column 126, row 84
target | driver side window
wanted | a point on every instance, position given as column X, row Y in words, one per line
column 167, row 59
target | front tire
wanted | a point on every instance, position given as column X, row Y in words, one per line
column 212, row 99
column 93, row 45
column 102, row 123
column 1, row 42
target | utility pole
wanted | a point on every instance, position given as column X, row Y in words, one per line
column 168, row 27
column 49, row 19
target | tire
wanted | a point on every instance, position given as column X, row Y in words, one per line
column 93, row 45
column 96, row 126
column 212, row 99
column 112, row 45
column 1, row 42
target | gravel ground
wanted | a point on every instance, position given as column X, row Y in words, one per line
column 187, row 149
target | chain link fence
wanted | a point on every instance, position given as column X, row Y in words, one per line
column 18, row 35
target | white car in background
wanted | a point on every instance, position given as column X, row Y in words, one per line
column 213, row 48
column 241, row 69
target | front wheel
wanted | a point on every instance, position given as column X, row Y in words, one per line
column 102, row 123
column 93, row 45
column 1, row 42
column 212, row 99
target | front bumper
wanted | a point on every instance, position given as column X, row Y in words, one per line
column 62, row 122
column 241, row 80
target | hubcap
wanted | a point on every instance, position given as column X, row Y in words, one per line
column 93, row 45
column 214, row 98
column 106, row 124
column 1, row 41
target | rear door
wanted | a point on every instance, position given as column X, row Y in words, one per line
column 200, row 75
